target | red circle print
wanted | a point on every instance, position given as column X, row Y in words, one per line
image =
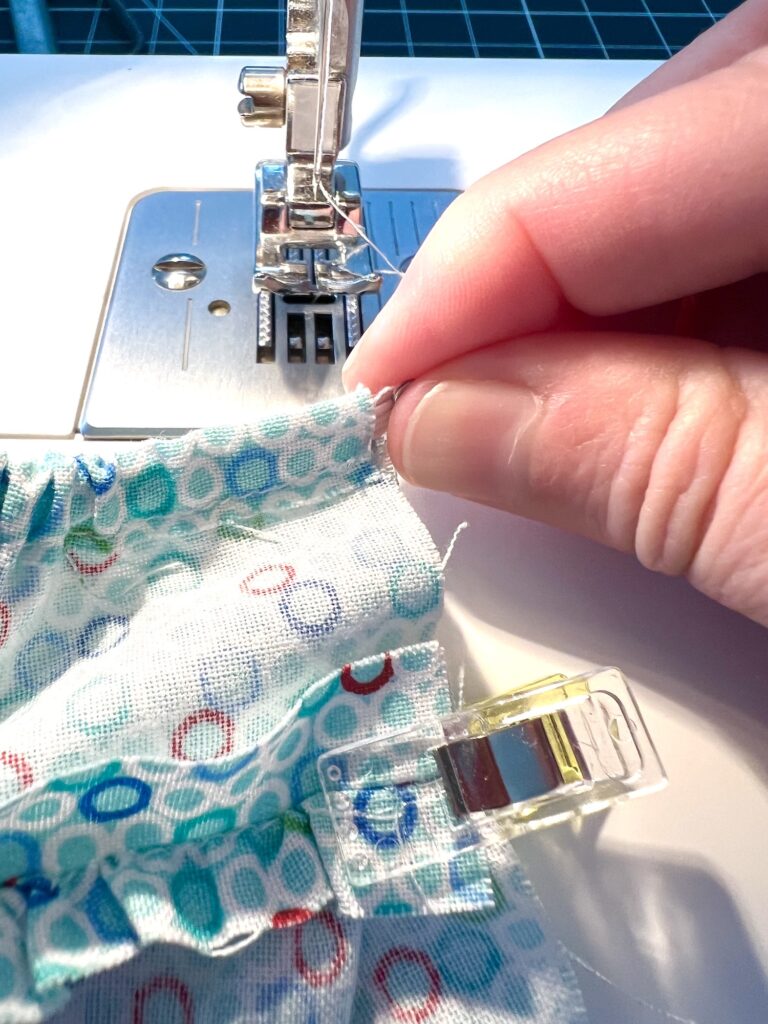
column 314, row 976
column 19, row 764
column 5, row 622
column 255, row 583
column 290, row 916
column 203, row 717
column 406, row 955
column 363, row 687
column 163, row 983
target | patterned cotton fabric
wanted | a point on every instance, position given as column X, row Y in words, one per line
column 183, row 631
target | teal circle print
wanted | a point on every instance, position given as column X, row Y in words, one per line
column 210, row 823
column 19, row 855
column 248, row 889
column 414, row 590
column 347, row 449
column 75, row 852
column 7, row 977
column 340, row 722
column 526, row 933
column 66, row 933
column 152, row 492
column 196, row 901
column 298, row 872
column 468, row 959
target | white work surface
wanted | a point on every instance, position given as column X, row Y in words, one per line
column 666, row 896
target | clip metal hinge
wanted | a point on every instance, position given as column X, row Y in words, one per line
column 549, row 751
column 493, row 772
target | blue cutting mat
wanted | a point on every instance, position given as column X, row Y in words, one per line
column 651, row 29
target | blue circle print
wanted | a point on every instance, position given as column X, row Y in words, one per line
column 253, row 471
column 229, row 692
column 311, row 629
column 304, row 775
column 23, row 582
column 393, row 838
column 37, row 891
column 98, row 474
column 41, row 661
column 212, row 773
column 101, row 635
column 89, row 808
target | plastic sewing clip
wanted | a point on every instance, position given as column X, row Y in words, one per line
column 537, row 755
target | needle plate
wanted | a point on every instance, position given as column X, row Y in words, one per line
column 184, row 342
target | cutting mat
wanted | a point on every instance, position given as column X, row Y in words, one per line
column 602, row 29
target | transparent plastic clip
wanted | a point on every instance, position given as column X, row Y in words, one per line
column 491, row 771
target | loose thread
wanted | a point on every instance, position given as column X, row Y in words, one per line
column 235, row 945
column 460, row 680
column 380, row 252
column 449, row 550
column 386, row 395
column 383, row 404
column 320, row 122
column 242, row 528
column 73, row 565
column 657, row 1010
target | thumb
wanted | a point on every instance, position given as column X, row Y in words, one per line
column 656, row 446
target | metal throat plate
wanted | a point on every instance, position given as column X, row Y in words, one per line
column 185, row 342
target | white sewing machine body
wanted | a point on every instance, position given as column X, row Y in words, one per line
column 666, row 897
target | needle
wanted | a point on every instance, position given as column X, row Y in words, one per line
column 326, row 27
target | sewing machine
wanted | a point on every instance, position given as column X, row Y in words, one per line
column 224, row 303
column 665, row 898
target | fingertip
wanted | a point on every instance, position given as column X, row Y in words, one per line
column 364, row 366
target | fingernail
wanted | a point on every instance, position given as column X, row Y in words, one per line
column 464, row 436
column 400, row 389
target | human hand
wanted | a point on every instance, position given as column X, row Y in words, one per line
column 564, row 379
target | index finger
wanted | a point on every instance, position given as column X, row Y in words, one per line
column 662, row 199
